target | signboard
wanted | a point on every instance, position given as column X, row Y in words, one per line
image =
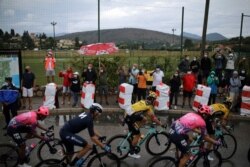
column 10, row 66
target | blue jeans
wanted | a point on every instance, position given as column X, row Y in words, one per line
column 75, row 97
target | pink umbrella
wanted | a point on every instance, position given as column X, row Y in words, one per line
column 98, row 49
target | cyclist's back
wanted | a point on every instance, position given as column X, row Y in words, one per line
column 220, row 107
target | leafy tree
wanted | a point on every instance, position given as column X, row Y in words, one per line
column 188, row 44
column 27, row 42
column 6, row 36
column 12, row 32
column 49, row 43
column 1, row 33
column 77, row 44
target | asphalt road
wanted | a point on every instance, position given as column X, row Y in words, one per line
column 109, row 126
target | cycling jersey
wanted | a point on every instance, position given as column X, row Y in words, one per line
column 189, row 122
column 218, row 107
column 25, row 122
column 142, row 106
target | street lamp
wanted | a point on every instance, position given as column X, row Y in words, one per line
column 173, row 29
column 241, row 26
column 53, row 24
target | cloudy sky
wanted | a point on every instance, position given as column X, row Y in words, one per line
column 160, row 15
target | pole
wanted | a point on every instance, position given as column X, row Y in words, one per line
column 204, row 33
column 99, row 33
column 53, row 24
column 173, row 29
column 241, row 26
column 182, row 24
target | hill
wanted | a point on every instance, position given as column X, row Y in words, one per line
column 210, row 36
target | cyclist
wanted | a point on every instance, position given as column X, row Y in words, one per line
column 190, row 122
column 83, row 121
column 139, row 114
column 26, row 123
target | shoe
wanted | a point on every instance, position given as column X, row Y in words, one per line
column 210, row 158
column 24, row 165
column 134, row 155
column 175, row 107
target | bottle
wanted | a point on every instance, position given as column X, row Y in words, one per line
column 28, row 149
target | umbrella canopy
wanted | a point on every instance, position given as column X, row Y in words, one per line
column 98, row 49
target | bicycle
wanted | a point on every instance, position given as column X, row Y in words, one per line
column 199, row 157
column 229, row 143
column 157, row 142
column 9, row 156
column 102, row 159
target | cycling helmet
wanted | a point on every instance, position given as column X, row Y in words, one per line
column 204, row 109
column 228, row 101
column 44, row 111
column 96, row 108
column 152, row 95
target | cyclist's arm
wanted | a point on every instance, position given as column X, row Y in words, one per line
column 209, row 139
column 154, row 118
column 41, row 127
column 97, row 141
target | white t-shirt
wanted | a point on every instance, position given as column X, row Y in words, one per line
column 157, row 77
column 230, row 61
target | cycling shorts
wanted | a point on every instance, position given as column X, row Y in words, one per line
column 210, row 129
column 15, row 134
column 70, row 139
column 131, row 120
column 180, row 140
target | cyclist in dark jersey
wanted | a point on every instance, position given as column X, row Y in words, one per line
column 69, row 136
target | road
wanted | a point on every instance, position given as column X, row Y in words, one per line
column 109, row 126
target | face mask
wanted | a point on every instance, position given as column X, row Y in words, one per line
column 133, row 68
column 26, row 70
column 205, row 55
column 194, row 59
column 101, row 70
column 175, row 75
column 89, row 68
column 212, row 75
column 219, row 56
column 157, row 69
column 142, row 71
column 187, row 58
column 75, row 76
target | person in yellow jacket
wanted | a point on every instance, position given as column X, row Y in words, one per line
column 138, row 115
column 49, row 65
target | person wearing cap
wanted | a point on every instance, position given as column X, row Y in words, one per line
column 70, row 138
column 27, row 123
column 9, row 106
column 212, row 82
column 234, row 89
column 75, row 88
column 28, row 84
column 49, row 65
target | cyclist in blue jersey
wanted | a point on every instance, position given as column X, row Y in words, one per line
column 69, row 136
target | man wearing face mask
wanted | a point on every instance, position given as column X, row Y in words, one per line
column 75, row 88
column 219, row 60
column 89, row 74
column 212, row 82
column 157, row 77
column 175, row 83
column 133, row 81
column 231, row 58
column 28, row 84
column 234, row 87
column 205, row 66
column 184, row 65
column 195, row 66
column 49, row 64
column 103, row 84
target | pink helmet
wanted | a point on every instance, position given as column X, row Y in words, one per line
column 204, row 109
column 44, row 111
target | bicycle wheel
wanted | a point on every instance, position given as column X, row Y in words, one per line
column 120, row 146
column 9, row 155
column 158, row 144
column 50, row 163
column 55, row 152
column 228, row 147
column 164, row 162
column 215, row 160
column 104, row 160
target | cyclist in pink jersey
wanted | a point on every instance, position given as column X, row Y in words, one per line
column 26, row 123
column 190, row 122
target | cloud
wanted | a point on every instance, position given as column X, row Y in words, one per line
column 9, row 13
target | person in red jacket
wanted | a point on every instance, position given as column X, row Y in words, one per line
column 189, row 83
column 66, row 83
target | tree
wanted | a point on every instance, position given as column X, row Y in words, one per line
column 188, row 44
column 1, row 33
column 6, row 36
column 12, row 32
column 77, row 44
column 27, row 42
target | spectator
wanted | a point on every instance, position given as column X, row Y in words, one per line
column 157, row 77
column 184, row 65
column 49, row 64
column 243, row 78
column 195, row 66
column 212, row 82
column 205, row 66
column 188, row 87
column 66, row 83
column 12, row 107
column 243, row 64
column 28, row 84
column 89, row 74
column 142, row 84
column 219, row 60
column 75, row 88
column 235, row 85
column 122, row 77
column 103, row 84
column 231, row 58
column 133, row 81
column 175, row 83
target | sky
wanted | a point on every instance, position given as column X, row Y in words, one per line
column 160, row 15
